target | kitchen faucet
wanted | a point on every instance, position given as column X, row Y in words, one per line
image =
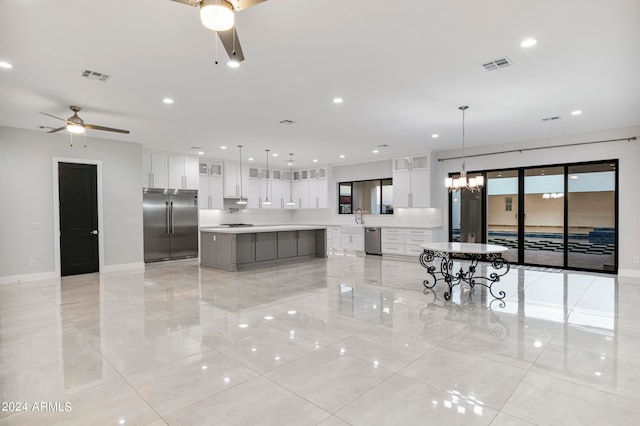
column 361, row 221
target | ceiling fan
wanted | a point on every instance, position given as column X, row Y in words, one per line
column 219, row 16
column 76, row 124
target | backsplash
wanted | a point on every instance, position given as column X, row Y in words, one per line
column 427, row 217
column 252, row 216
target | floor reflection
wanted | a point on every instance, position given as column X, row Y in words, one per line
column 347, row 338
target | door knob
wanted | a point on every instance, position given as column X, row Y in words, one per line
column 94, row 232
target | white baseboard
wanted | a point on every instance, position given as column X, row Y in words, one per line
column 28, row 277
column 629, row 273
column 136, row 266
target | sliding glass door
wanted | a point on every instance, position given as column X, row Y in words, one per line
column 562, row 216
column 591, row 208
column 502, row 211
column 543, row 216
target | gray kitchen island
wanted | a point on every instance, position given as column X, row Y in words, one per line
column 233, row 249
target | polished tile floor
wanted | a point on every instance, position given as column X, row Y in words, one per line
column 337, row 341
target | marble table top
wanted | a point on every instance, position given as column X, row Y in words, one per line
column 468, row 248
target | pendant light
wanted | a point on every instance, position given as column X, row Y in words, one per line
column 266, row 202
column 242, row 200
column 290, row 202
column 461, row 183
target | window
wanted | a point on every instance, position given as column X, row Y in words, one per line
column 372, row 196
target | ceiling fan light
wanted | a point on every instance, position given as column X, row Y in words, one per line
column 73, row 128
column 217, row 15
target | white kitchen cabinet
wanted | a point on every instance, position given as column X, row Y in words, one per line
column 275, row 190
column 296, row 189
column 231, row 174
column 155, row 170
column 413, row 238
column 210, row 188
column 318, row 188
column 334, row 231
column 303, row 189
column 352, row 242
column 404, row 241
column 412, row 181
column 352, row 237
column 254, row 190
column 183, row 172
column 420, row 188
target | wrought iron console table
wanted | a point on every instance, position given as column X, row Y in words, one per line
column 470, row 251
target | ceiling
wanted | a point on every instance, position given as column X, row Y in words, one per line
column 402, row 68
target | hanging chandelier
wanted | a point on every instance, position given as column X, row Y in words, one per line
column 462, row 183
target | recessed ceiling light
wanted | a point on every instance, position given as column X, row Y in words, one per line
column 315, row 160
column 576, row 112
column 341, row 156
column 275, row 154
column 223, row 147
column 167, row 100
column 250, row 158
column 200, row 152
column 573, row 177
column 337, row 100
column 529, row 42
column 6, row 65
column 233, row 64
column 375, row 151
column 435, row 135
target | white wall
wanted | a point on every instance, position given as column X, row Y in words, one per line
column 627, row 152
column 26, row 186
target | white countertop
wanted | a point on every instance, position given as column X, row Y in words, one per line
column 262, row 228
column 371, row 225
column 468, row 248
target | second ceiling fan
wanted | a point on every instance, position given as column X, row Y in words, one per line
column 219, row 15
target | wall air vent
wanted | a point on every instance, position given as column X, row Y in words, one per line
column 497, row 64
column 94, row 75
column 551, row 118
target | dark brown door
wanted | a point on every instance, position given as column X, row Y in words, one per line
column 78, row 189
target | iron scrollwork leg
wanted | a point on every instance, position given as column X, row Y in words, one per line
column 500, row 265
column 446, row 266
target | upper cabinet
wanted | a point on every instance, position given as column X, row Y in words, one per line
column 183, row 172
column 155, row 170
column 231, row 172
column 412, row 181
column 169, row 171
column 210, row 190
column 318, row 188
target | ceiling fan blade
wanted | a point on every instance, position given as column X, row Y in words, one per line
column 188, row 2
column 231, row 44
column 239, row 5
column 57, row 130
column 44, row 113
column 106, row 129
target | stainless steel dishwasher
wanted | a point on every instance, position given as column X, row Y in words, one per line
column 372, row 244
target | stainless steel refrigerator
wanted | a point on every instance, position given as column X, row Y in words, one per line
column 170, row 224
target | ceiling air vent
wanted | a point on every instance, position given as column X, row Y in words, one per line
column 94, row 75
column 287, row 122
column 497, row 64
column 551, row 118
